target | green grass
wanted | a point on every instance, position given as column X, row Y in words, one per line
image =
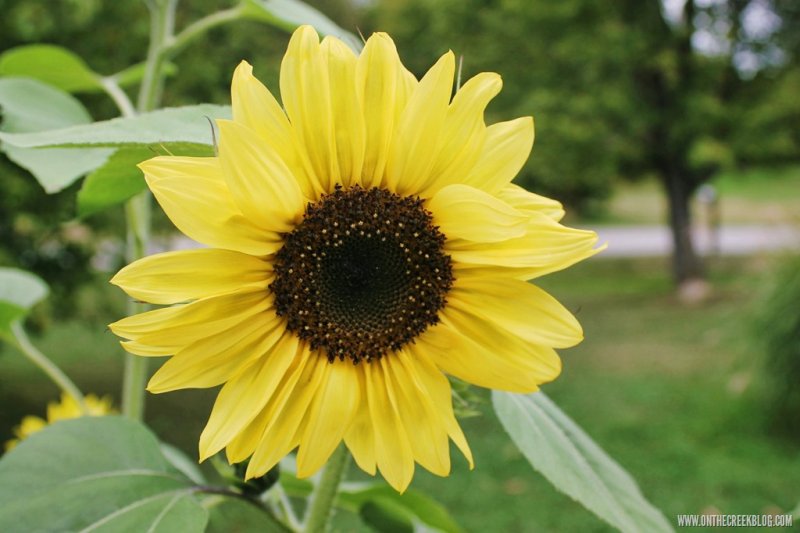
column 661, row 386
column 760, row 195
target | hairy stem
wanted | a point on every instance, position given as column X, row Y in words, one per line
column 112, row 89
column 46, row 365
column 319, row 509
column 200, row 27
column 137, row 216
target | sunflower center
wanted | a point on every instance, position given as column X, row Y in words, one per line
column 363, row 274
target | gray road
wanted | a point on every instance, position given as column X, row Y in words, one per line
column 655, row 241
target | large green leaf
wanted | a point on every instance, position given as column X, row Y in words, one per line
column 289, row 14
column 65, row 70
column 184, row 127
column 228, row 515
column 119, row 178
column 50, row 64
column 381, row 506
column 29, row 106
column 19, row 291
column 559, row 449
column 95, row 473
column 114, row 182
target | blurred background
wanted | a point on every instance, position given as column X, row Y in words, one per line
column 672, row 127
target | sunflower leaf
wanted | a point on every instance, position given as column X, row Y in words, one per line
column 381, row 506
column 186, row 128
column 387, row 504
column 29, row 106
column 19, row 291
column 561, row 451
column 228, row 514
column 114, row 182
column 289, row 14
column 95, row 473
column 50, row 64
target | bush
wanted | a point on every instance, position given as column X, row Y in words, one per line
column 777, row 332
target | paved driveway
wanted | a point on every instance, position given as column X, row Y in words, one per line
column 655, row 241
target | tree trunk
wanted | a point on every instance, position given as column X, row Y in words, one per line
column 686, row 264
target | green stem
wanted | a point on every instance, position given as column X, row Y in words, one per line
column 137, row 209
column 162, row 25
column 319, row 510
column 199, row 27
column 46, row 365
column 119, row 97
column 137, row 216
column 286, row 507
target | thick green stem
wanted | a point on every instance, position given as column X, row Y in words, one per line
column 46, row 365
column 319, row 510
column 137, row 210
column 137, row 215
column 162, row 25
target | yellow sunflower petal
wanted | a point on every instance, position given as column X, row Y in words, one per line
column 360, row 437
column 329, row 417
column 179, row 326
column 413, row 151
column 465, row 346
column 283, row 432
column 348, row 121
column 244, row 444
column 145, row 350
column 546, row 247
column 518, row 307
column 29, row 426
column 378, row 76
column 393, row 453
column 463, row 212
column 528, row 202
column 464, row 131
column 217, row 358
column 243, row 397
column 306, row 94
column 194, row 195
column 261, row 184
column 436, row 387
column 174, row 277
column 255, row 108
column 505, row 150
column 426, row 432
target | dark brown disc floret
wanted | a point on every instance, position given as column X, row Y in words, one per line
column 363, row 274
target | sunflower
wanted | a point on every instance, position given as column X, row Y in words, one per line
column 364, row 242
column 63, row 410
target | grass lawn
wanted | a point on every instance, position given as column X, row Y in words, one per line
column 662, row 387
column 756, row 196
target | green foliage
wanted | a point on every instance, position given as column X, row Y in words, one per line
column 558, row 448
column 227, row 515
column 289, row 14
column 111, row 468
column 30, row 106
column 19, row 292
column 113, row 183
column 382, row 507
column 52, row 65
column 179, row 126
column 777, row 332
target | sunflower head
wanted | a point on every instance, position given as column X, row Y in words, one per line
column 364, row 241
column 64, row 409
